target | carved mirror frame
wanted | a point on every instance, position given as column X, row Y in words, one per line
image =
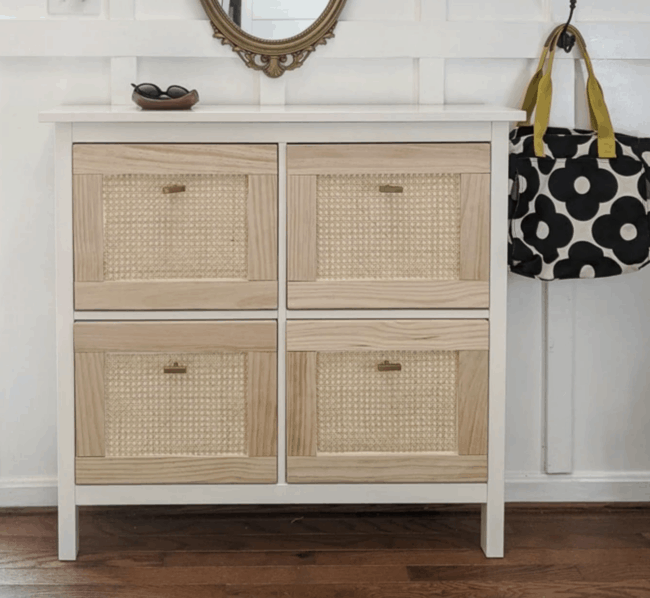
column 273, row 57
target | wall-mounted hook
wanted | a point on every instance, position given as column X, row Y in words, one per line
column 568, row 40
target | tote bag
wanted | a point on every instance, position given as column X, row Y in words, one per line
column 579, row 199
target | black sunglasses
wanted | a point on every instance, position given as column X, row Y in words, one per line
column 151, row 90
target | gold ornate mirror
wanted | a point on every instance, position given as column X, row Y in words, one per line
column 273, row 36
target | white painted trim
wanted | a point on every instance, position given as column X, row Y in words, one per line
column 272, row 132
column 341, row 114
column 28, row 492
column 121, row 9
column 432, row 81
column 354, row 39
column 282, row 494
column 627, row 486
column 68, row 512
column 624, row 486
column 559, row 358
column 492, row 512
column 272, row 91
column 124, row 71
column 559, row 376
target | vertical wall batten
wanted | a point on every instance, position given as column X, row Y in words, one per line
column 559, row 366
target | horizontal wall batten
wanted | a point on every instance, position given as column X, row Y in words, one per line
column 354, row 39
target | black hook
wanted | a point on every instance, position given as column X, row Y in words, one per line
column 568, row 40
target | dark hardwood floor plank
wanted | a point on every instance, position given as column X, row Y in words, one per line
column 615, row 572
column 555, row 539
column 251, row 559
column 300, row 543
column 37, row 524
column 540, row 556
column 638, row 589
column 49, row 559
column 182, row 576
column 285, row 525
column 503, row 574
column 112, row 592
column 26, row 544
column 285, row 552
column 614, row 524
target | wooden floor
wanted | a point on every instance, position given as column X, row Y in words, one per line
column 585, row 551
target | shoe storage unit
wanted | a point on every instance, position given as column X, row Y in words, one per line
column 281, row 306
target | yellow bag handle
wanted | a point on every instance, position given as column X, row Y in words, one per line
column 599, row 112
column 530, row 99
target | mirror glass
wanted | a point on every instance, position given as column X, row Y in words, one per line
column 274, row 19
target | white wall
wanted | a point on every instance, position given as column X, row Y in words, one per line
column 578, row 383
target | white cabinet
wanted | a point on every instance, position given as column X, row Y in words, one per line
column 281, row 305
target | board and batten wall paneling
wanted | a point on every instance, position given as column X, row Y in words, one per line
column 604, row 10
column 503, row 10
column 28, row 407
column 384, row 51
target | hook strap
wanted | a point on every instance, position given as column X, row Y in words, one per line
column 530, row 99
column 598, row 107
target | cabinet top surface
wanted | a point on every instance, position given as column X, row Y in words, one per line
column 285, row 114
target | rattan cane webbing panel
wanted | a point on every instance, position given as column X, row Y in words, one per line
column 361, row 409
column 199, row 233
column 151, row 413
column 366, row 234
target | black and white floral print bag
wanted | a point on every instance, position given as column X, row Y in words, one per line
column 578, row 199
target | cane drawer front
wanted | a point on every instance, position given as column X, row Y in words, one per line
column 388, row 226
column 176, row 402
column 398, row 401
column 175, row 226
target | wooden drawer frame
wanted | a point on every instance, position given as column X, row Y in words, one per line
column 306, row 162
column 305, row 338
column 91, row 162
column 258, row 339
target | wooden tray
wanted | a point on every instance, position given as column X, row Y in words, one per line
column 183, row 103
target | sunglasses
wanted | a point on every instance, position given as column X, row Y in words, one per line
column 152, row 91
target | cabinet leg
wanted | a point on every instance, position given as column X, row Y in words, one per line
column 68, row 532
column 492, row 529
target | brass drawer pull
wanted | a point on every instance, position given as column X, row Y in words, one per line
column 391, row 189
column 175, row 369
column 386, row 366
column 174, row 189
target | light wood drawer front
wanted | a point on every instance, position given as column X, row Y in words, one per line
column 175, row 226
column 387, row 401
column 388, row 226
column 176, row 402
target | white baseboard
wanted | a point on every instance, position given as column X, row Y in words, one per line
column 28, row 492
column 520, row 487
column 625, row 486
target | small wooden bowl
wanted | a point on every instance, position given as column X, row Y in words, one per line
column 183, row 103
